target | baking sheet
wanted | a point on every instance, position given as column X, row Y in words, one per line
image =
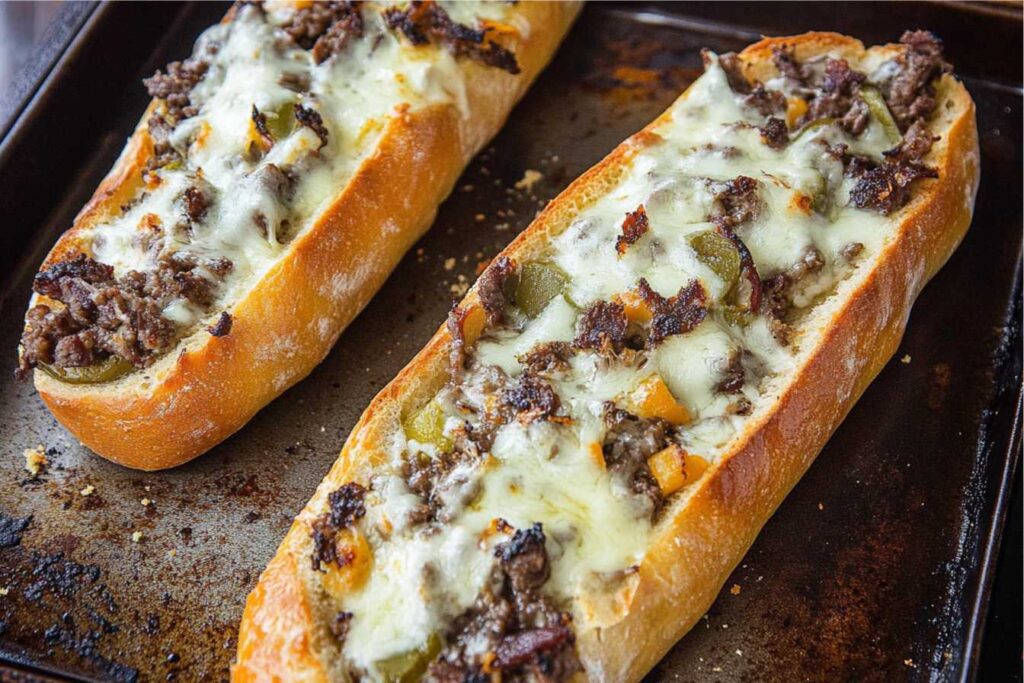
column 876, row 567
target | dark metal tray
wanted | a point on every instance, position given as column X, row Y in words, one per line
column 876, row 567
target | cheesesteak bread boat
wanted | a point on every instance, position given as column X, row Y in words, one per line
column 276, row 179
column 558, row 485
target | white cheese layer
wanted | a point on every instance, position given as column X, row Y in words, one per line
column 546, row 472
column 355, row 92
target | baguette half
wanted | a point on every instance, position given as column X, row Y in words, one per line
column 289, row 312
column 300, row 620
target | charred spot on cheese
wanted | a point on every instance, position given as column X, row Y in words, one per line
column 602, row 328
column 678, row 314
column 633, row 228
column 340, row 625
column 345, row 507
column 424, row 21
column 532, row 399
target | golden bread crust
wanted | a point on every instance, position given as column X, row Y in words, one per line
column 208, row 387
column 703, row 535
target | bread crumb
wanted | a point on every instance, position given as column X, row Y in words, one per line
column 821, row 506
column 88, row 490
column 739, row 653
column 480, row 218
column 910, row 663
column 906, row 359
column 146, row 502
column 449, row 263
column 467, row 188
column 716, row 669
column 136, row 536
column 529, row 179
column 4, row 590
column 459, row 288
column 735, row 590
column 35, row 460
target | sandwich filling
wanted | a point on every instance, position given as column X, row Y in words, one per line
column 597, row 382
column 252, row 137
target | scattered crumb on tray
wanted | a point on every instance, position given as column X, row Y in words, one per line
column 529, row 179
column 906, row 359
column 88, row 490
column 146, row 502
column 136, row 536
column 449, row 263
column 35, row 460
column 735, row 590
column 4, row 590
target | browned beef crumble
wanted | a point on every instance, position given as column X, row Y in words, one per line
column 310, row 118
column 163, row 152
column 737, row 201
column 324, row 27
column 602, row 328
column 431, row 479
column 733, row 378
column 628, row 443
column 633, row 228
column 340, row 625
column 678, row 314
column 296, row 82
column 103, row 316
column 259, row 119
column 886, row 188
column 222, row 327
column 527, row 638
column 910, row 94
column 784, row 58
column 837, row 97
column 175, row 87
column 492, row 288
column 197, row 203
column 765, row 101
column 345, row 507
column 422, row 22
column 531, row 400
column 914, row 146
column 774, row 133
column 547, row 358
column 851, row 251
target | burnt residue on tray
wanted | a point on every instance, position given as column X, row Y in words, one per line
column 870, row 568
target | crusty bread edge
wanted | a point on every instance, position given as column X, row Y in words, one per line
column 209, row 387
column 705, row 533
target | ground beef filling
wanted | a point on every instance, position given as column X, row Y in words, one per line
column 175, row 87
column 523, row 635
column 678, row 314
column 104, row 316
column 344, row 508
column 425, row 22
column 835, row 93
column 629, row 441
column 325, row 27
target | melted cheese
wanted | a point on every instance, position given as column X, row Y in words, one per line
column 355, row 92
column 546, row 471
